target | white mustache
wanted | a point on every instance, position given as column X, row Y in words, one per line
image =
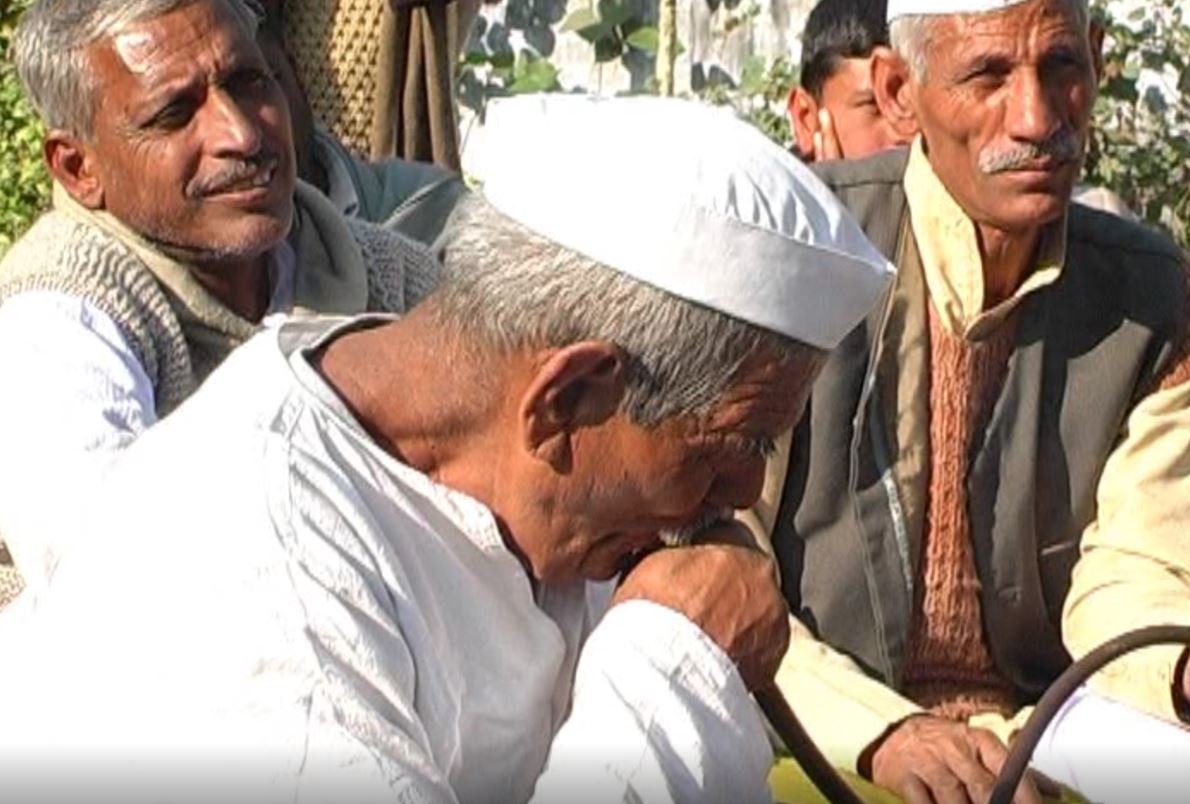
column 237, row 172
column 1062, row 147
column 687, row 534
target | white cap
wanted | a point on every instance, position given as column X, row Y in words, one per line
column 688, row 199
column 904, row 8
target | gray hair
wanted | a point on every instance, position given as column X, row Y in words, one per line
column 910, row 35
column 508, row 288
column 50, row 51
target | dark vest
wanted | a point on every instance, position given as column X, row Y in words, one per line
column 1088, row 348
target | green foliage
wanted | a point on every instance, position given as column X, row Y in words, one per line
column 759, row 96
column 492, row 67
column 24, row 184
column 494, row 75
column 612, row 27
column 1140, row 146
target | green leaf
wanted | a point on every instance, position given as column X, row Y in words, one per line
column 532, row 74
column 614, row 12
column 752, row 77
column 646, row 39
column 609, row 48
column 579, row 19
column 502, row 60
column 597, row 32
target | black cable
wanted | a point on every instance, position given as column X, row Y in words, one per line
column 1074, row 677
column 790, row 730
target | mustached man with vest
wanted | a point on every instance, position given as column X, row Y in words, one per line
column 1019, row 401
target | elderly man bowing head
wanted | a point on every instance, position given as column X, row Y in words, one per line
column 398, row 595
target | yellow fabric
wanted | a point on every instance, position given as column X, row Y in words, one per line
column 949, row 249
column 844, row 709
column 791, row 786
column 1135, row 564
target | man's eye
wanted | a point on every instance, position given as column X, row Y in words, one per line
column 763, row 447
column 1065, row 61
column 985, row 77
column 992, row 72
column 251, row 80
column 174, row 116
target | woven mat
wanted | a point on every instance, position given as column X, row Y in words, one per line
column 10, row 579
column 336, row 47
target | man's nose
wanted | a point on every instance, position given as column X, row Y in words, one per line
column 231, row 131
column 1032, row 113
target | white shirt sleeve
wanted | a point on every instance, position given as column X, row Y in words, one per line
column 74, row 394
column 659, row 714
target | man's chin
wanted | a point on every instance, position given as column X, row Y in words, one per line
column 234, row 241
column 1025, row 212
column 252, row 234
column 1033, row 198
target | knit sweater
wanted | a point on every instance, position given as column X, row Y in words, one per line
column 949, row 667
column 178, row 330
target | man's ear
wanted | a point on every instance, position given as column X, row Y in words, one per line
column 577, row 386
column 803, row 121
column 72, row 165
column 890, row 84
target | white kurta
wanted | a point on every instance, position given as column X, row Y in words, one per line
column 267, row 605
column 78, row 396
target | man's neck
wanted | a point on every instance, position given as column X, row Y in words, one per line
column 242, row 285
column 408, row 387
column 1006, row 258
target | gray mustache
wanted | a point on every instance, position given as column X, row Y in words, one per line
column 679, row 537
column 233, row 173
column 1063, row 147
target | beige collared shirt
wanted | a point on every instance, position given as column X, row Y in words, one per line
column 1135, row 567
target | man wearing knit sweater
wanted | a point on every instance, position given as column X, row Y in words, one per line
column 177, row 230
column 1022, row 395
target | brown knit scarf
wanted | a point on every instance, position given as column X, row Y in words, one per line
column 949, row 667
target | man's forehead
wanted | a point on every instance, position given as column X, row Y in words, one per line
column 852, row 75
column 758, row 402
column 1019, row 32
column 1019, row 21
column 152, row 47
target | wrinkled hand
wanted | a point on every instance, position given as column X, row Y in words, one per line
column 928, row 759
column 826, row 140
column 728, row 591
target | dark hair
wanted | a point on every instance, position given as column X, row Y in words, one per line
column 836, row 30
